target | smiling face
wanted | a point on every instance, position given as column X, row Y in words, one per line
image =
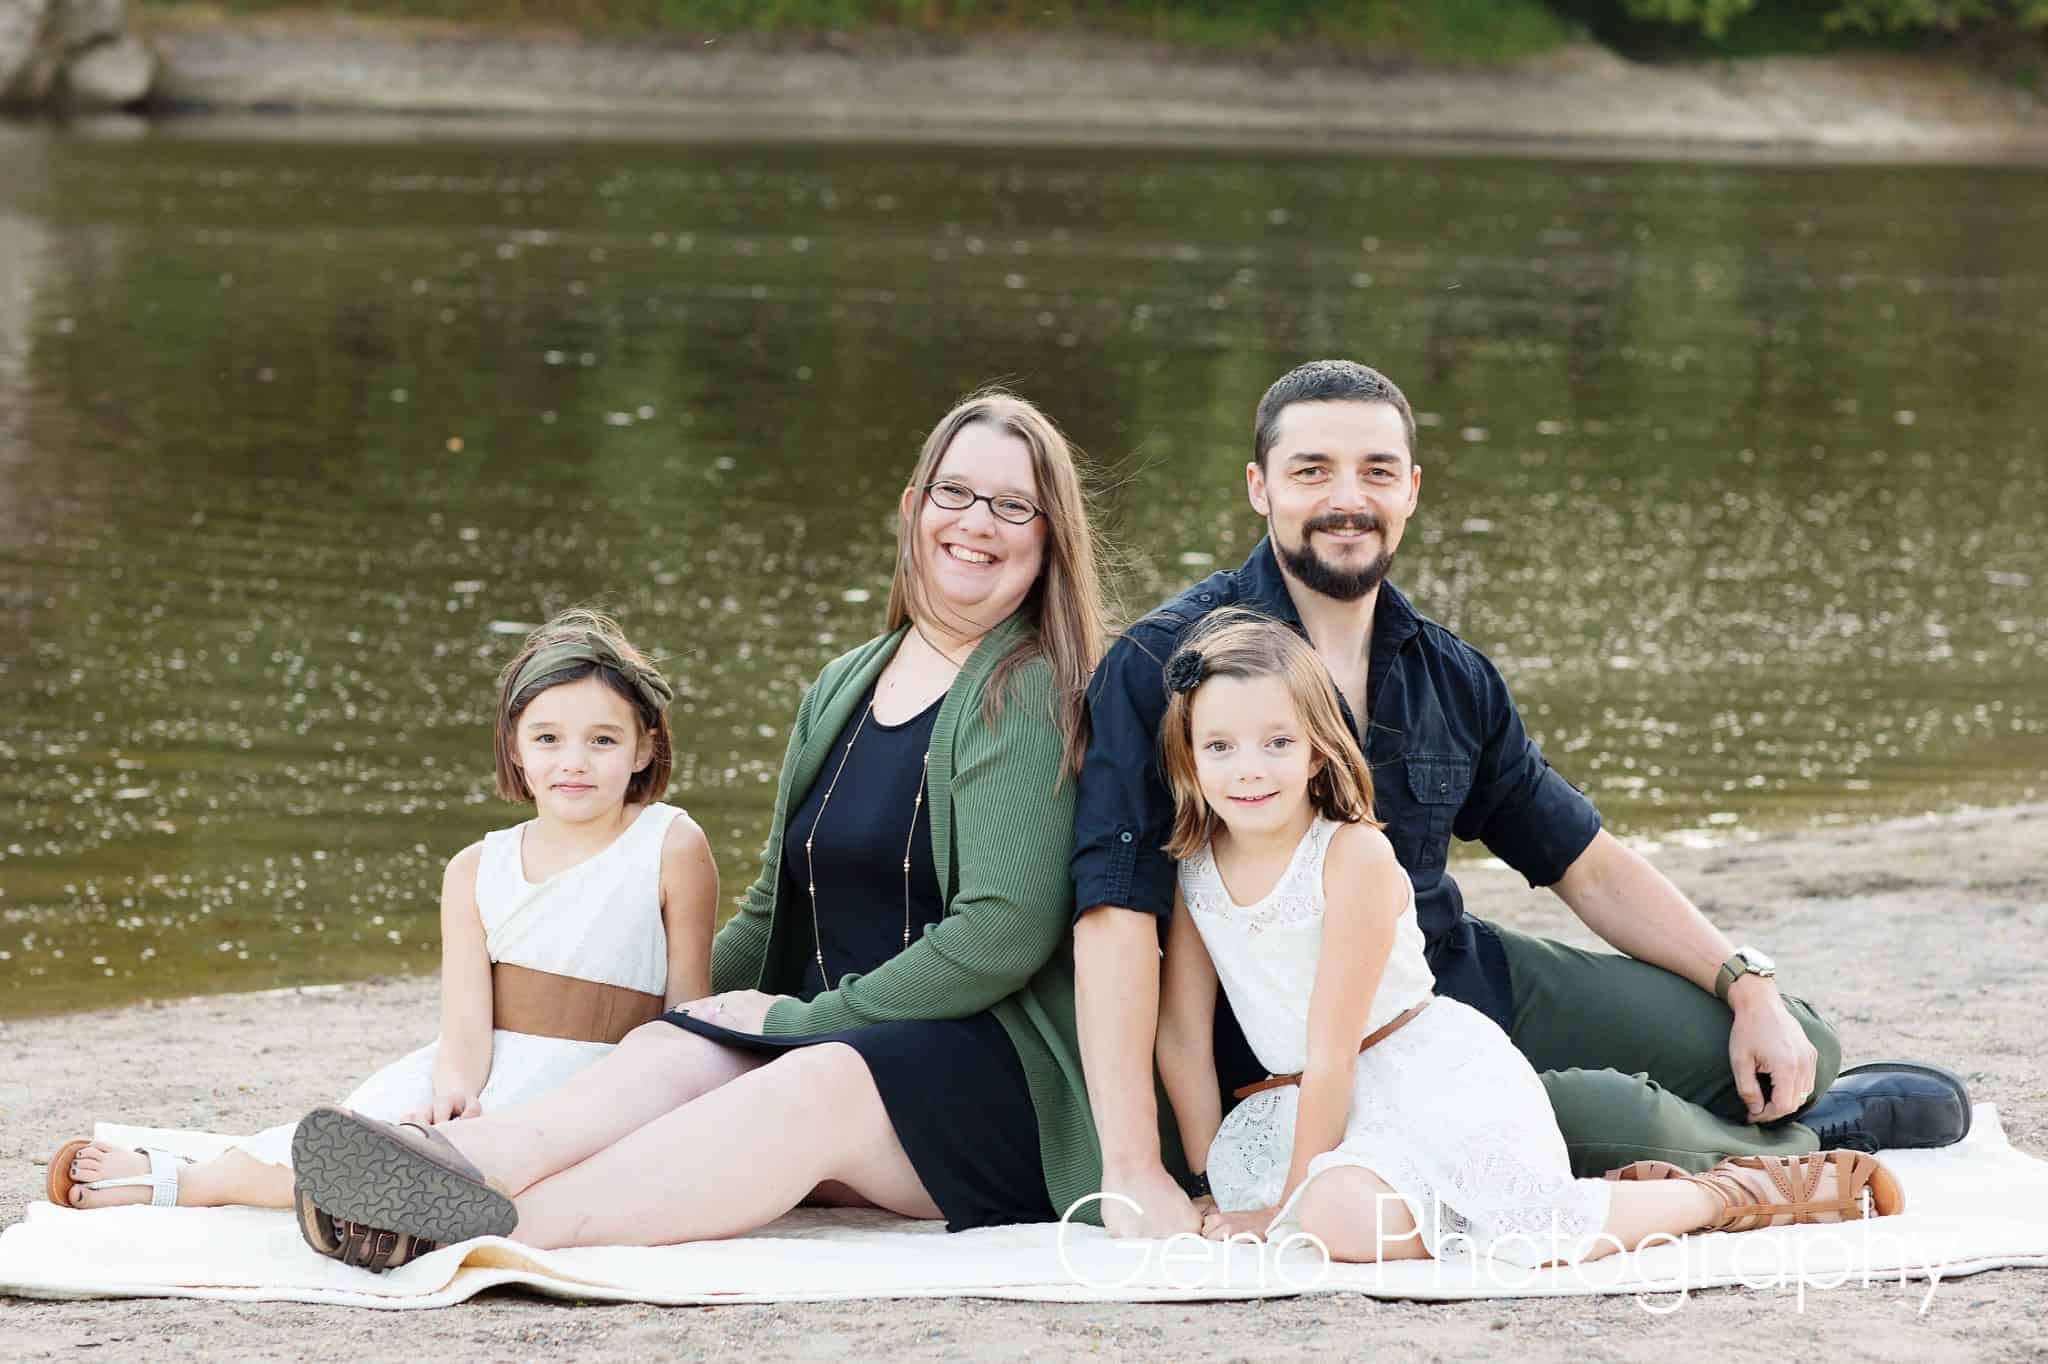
column 977, row 567
column 1253, row 757
column 579, row 745
column 1337, row 489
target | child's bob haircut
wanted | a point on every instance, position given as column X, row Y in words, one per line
column 651, row 781
column 1236, row 643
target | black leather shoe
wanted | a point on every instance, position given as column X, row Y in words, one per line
column 1887, row 1105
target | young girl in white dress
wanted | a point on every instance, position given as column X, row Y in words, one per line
column 1398, row 1125
column 558, row 936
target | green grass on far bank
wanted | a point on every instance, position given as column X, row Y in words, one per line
column 2010, row 35
column 1424, row 30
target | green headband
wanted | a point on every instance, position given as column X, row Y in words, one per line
column 649, row 685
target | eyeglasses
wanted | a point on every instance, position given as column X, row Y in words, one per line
column 1018, row 511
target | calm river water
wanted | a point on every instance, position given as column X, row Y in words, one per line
column 1735, row 469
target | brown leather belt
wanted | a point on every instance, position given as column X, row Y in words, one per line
column 547, row 1005
column 1373, row 1038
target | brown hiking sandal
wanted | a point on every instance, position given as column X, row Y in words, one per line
column 354, row 1243
column 379, row 1194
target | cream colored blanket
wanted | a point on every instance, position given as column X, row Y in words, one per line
column 1974, row 1206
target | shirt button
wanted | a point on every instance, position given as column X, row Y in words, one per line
column 1124, row 837
column 1443, row 788
column 1208, row 596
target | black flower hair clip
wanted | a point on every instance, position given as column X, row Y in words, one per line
column 1184, row 671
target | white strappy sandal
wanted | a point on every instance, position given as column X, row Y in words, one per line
column 161, row 1181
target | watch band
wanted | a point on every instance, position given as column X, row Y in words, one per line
column 1732, row 970
column 1735, row 968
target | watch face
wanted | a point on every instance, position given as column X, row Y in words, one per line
column 1757, row 961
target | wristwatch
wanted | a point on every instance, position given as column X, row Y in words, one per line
column 1747, row 961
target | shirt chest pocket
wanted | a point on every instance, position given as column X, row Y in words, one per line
column 1435, row 789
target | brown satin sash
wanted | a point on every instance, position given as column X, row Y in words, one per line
column 547, row 1005
column 1379, row 1034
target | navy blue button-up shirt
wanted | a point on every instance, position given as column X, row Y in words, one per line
column 1444, row 740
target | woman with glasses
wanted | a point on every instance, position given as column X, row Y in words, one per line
column 893, row 1021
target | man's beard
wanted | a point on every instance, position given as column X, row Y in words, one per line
column 1319, row 576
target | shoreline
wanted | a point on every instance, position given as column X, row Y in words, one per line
column 1470, row 865
column 1917, row 937
column 1079, row 88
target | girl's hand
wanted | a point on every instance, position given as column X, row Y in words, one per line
column 447, row 1104
column 1221, row 1226
column 454, row 1103
column 736, row 1010
column 1205, row 1205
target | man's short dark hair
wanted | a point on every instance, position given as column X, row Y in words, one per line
column 1325, row 381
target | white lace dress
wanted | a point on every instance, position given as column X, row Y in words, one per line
column 1445, row 1110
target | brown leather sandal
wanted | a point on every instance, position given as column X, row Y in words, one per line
column 357, row 1243
column 1783, row 1191
column 403, row 1177
column 1780, row 1191
column 1647, row 1169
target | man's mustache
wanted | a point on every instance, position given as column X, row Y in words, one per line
column 1365, row 521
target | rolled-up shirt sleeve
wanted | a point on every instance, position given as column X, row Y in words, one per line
column 1123, row 813
column 1525, row 813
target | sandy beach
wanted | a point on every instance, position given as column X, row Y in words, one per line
column 1918, row 938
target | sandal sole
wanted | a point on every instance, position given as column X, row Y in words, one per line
column 355, row 1171
column 57, row 1180
column 1887, row 1195
column 315, row 1226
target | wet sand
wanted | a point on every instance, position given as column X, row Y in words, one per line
column 1919, row 938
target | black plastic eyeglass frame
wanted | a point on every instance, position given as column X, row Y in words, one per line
column 974, row 497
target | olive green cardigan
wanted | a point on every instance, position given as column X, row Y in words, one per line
column 1002, row 811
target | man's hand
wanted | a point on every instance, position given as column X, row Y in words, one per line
column 1765, row 1040
column 1164, row 1208
column 1631, row 905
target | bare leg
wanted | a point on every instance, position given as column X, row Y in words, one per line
column 1361, row 1219
column 656, row 1069
column 229, row 1178
column 733, row 1160
column 1637, row 1211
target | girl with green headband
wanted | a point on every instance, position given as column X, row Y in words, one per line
column 559, row 935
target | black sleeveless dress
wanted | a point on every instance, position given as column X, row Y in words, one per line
column 954, row 1089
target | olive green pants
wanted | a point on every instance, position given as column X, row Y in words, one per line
column 1635, row 1059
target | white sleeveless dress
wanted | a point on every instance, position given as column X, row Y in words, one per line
column 598, row 920
column 1445, row 1110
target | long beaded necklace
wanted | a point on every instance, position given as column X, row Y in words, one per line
column 811, row 861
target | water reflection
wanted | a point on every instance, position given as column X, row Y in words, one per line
column 1731, row 468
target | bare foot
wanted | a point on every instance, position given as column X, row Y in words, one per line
column 101, row 1161
column 1146, row 1202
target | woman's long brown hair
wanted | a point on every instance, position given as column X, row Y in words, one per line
column 1064, row 607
